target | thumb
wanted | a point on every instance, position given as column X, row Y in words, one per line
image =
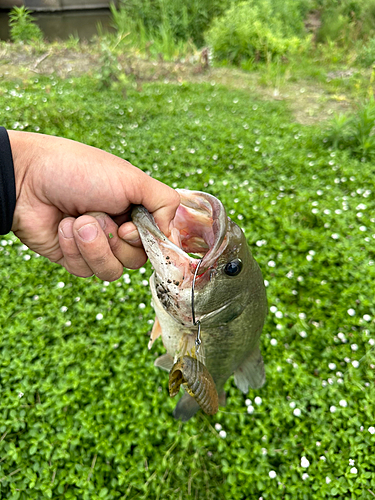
column 161, row 201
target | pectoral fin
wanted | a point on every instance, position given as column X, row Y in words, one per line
column 251, row 372
column 165, row 362
column 186, row 408
column 155, row 333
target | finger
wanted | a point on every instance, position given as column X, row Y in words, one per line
column 129, row 233
column 130, row 253
column 95, row 249
column 125, row 254
column 72, row 259
column 160, row 200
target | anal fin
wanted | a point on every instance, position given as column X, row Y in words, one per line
column 155, row 333
column 186, row 408
column 251, row 372
column 165, row 362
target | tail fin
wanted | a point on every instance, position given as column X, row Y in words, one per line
column 186, row 408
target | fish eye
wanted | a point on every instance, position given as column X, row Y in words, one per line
column 233, row 268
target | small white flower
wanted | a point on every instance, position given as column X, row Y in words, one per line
column 297, row 412
column 362, row 228
column 354, row 347
column 371, row 430
column 99, row 316
column 279, row 327
column 248, row 402
column 323, row 458
column 279, row 314
column 292, row 404
column 27, row 257
column 258, row 400
column 332, row 366
column 223, row 434
column 346, row 359
column 371, row 341
column 355, row 363
column 304, row 462
column 303, row 334
column 20, row 394
column 250, row 409
column 60, row 284
column 273, row 342
column 105, row 283
column 302, row 316
column 142, row 270
column 264, row 451
column 305, row 476
column 272, row 474
column 63, row 309
column 351, row 461
column 271, row 263
column 367, row 317
column 68, row 323
column 273, row 309
column 328, row 480
column 144, row 282
column 343, row 403
column 342, row 337
column 318, row 443
column 141, row 305
column 332, row 409
column 353, row 470
column 266, row 283
column 218, row 427
column 335, row 236
column 290, row 274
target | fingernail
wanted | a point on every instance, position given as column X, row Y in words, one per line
column 132, row 237
column 67, row 230
column 88, row 232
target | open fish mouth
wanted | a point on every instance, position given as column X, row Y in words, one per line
column 198, row 233
column 199, row 228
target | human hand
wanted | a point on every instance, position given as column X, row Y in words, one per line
column 57, row 180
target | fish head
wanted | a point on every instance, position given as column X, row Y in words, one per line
column 206, row 251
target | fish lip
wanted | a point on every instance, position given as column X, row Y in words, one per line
column 190, row 199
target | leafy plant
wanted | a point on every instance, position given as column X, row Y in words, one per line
column 355, row 132
column 251, row 31
column 22, row 26
column 366, row 56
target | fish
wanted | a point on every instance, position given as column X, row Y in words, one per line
column 208, row 252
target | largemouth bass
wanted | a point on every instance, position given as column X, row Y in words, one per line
column 229, row 298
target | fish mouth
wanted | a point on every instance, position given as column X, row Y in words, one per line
column 199, row 228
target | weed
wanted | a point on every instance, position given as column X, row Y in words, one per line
column 22, row 26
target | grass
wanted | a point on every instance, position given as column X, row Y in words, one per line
column 84, row 414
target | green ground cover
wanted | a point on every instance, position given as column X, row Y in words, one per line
column 85, row 415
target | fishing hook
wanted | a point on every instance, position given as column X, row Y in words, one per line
column 198, row 340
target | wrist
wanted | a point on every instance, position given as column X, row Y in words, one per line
column 21, row 157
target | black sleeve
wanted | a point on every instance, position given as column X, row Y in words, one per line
column 7, row 183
